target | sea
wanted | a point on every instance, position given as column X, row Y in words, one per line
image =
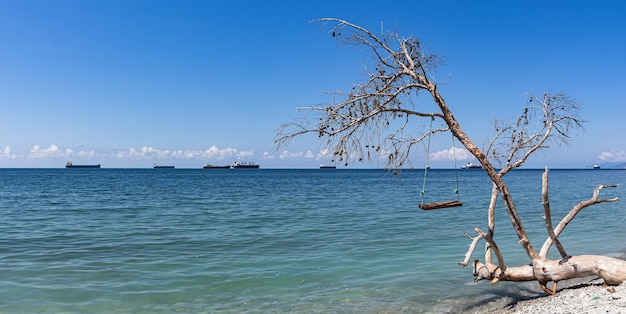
column 276, row 240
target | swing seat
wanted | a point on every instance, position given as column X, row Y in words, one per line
column 439, row 205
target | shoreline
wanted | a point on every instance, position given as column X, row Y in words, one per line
column 590, row 297
column 579, row 295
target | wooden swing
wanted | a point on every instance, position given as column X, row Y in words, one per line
column 440, row 204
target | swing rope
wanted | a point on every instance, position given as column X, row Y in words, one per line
column 456, row 171
column 426, row 165
column 444, row 204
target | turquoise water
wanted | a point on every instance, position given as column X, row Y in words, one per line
column 277, row 241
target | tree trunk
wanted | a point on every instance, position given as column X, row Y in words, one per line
column 612, row 270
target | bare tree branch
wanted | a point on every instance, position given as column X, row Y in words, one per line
column 494, row 247
column 540, row 124
column 574, row 211
column 471, row 249
column 548, row 216
column 491, row 220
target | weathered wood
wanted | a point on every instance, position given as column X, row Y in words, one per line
column 548, row 216
column 439, row 205
column 612, row 270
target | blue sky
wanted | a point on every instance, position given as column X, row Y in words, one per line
column 138, row 82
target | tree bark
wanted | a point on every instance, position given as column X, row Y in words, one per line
column 488, row 167
column 612, row 270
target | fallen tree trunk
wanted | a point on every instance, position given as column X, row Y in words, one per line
column 612, row 270
column 542, row 269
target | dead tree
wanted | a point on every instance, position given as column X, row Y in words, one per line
column 373, row 119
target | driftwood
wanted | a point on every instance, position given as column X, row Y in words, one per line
column 542, row 269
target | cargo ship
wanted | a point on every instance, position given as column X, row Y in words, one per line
column 323, row 166
column 70, row 165
column 471, row 166
column 210, row 166
column 239, row 165
column 162, row 167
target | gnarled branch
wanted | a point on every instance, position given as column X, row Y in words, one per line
column 548, row 216
column 471, row 249
column 574, row 211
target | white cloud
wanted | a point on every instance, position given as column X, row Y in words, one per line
column 324, row 153
column 54, row 152
column 293, row 155
column 245, row 154
column 187, row 154
column 287, row 155
column 143, row 153
column 148, row 152
column 6, row 153
column 450, row 154
column 613, row 156
column 214, row 152
column 51, row 152
column 83, row 154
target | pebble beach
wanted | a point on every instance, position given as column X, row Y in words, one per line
column 581, row 295
column 581, row 298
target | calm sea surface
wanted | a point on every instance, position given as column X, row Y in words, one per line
column 271, row 241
